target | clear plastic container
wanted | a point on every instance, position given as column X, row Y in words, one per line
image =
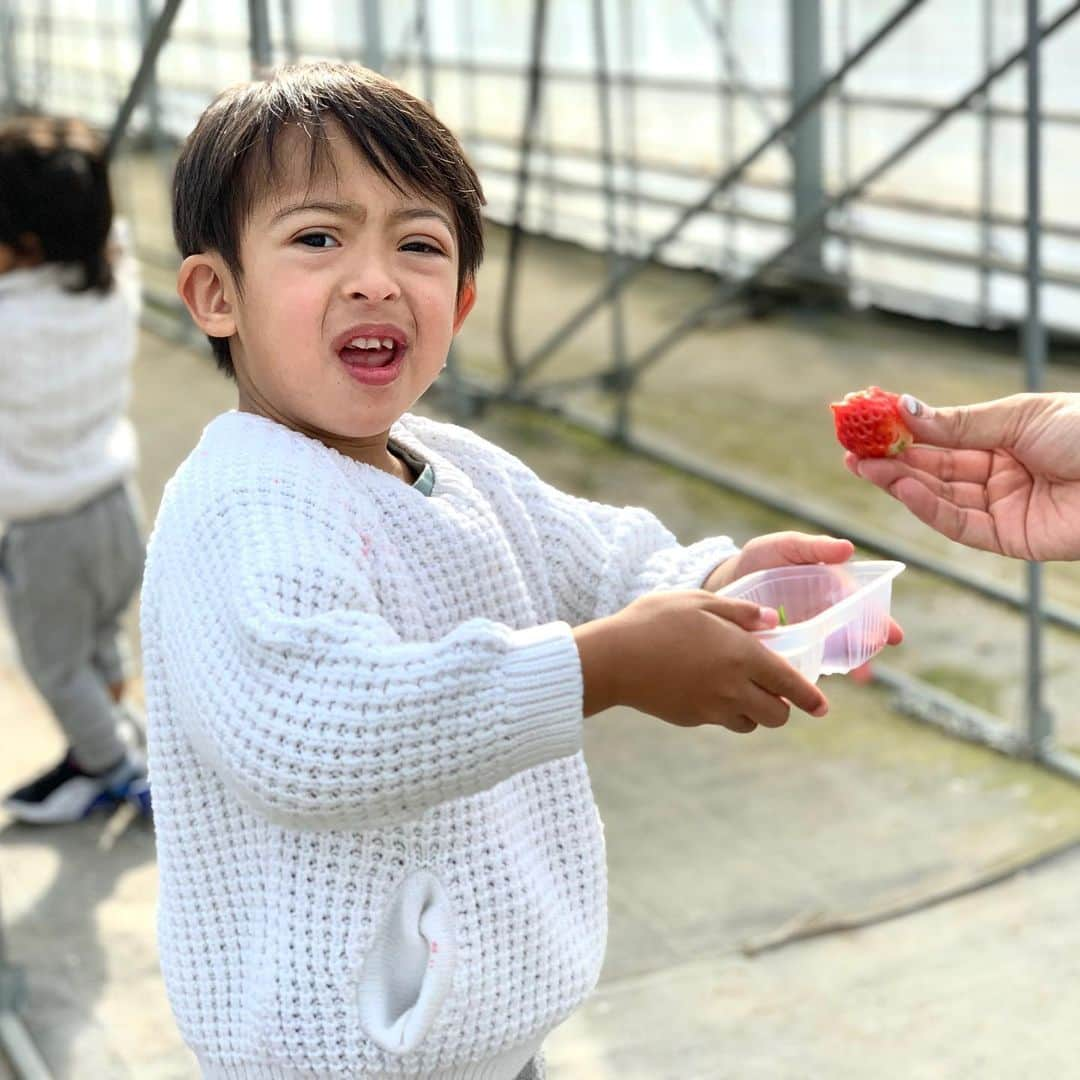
column 837, row 616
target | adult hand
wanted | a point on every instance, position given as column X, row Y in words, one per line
column 1003, row 476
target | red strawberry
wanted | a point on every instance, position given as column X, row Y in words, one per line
column 869, row 423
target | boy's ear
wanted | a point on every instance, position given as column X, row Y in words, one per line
column 466, row 299
column 205, row 286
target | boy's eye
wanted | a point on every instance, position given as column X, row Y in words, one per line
column 316, row 240
column 424, row 247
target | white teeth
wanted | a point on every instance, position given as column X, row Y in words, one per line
column 370, row 343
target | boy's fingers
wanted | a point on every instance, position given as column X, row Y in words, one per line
column 741, row 725
column 801, row 548
column 830, row 549
column 779, row 678
column 742, row 613
column 765, row 709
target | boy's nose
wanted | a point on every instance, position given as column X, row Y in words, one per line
column 371, row 282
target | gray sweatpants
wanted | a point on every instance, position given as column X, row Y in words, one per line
column 67, row 581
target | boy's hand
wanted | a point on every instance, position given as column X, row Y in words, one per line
column 688, row 658
column 779, row 549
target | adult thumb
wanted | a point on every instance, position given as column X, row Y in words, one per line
column 984, row 426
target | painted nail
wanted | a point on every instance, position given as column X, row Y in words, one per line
column 914, row 406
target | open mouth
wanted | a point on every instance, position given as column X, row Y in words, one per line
column 370, row 352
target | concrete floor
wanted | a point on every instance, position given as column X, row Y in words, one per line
column 715, row 843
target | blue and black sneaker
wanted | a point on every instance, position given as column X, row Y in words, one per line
column 69, row 793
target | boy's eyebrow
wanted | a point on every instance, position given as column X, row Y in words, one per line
column 358, row 211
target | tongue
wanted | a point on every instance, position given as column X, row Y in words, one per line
column 367, row 357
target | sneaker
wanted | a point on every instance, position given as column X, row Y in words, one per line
column 68, row 793
column 131, row 724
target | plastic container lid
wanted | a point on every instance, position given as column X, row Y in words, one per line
column 837, row 615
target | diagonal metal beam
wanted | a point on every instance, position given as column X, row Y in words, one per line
column 693, row 319
column 144, row 76
column 629, row 271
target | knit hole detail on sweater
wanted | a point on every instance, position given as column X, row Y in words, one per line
column 409, row 966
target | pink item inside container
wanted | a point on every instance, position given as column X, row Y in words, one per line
column 837, row 616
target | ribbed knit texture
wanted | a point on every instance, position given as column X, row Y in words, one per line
column 365, row 727
column 65, row 382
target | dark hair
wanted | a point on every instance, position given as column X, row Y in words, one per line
column 228, row 161
column 54, row 185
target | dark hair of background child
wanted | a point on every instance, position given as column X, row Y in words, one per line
column 55, row 202
column 228, row 161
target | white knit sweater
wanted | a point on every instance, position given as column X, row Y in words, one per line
column 65, row 382
column 378, row 847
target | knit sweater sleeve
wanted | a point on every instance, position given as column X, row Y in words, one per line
column 600, row 557
column 313, row 709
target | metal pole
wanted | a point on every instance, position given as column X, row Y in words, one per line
column 808, row 180
column 728, row 155
column 618, row 330
column 374, row 57
column 7, row 55
column 423, row 35
column 844, row 102
column 1038, row 719
column 42, row 55
column 153, row 98
column 986, row 172
column 158, row 36
column 468, row 46
column 288, row 31
column 259, row 25
column 628, row 63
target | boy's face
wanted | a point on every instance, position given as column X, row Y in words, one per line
column 349, row 297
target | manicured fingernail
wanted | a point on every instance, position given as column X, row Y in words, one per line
column 914, row 406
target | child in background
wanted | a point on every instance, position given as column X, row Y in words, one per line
column 371, row 640
column 72, row 553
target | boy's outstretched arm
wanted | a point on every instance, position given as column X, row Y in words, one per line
column 600, row 557
column 688, row 658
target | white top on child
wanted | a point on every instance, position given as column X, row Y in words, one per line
column 65, row 383
column 379, row 851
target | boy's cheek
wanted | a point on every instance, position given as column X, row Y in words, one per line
column 290, row 303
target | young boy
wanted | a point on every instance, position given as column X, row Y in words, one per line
column 371, row 639
column 72, row 554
